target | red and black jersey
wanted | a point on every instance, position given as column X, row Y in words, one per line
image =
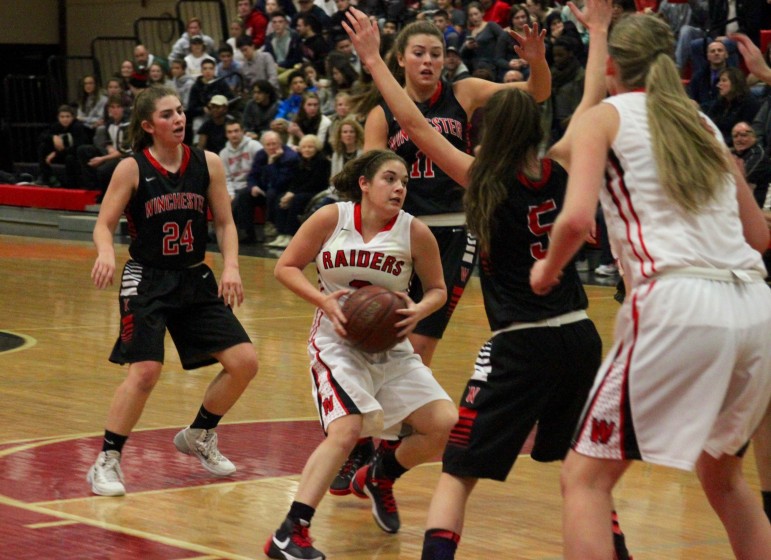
column 520, row 236
column 167, row 216
column 430, row 190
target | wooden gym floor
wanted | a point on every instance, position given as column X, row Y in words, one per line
column 56, row 387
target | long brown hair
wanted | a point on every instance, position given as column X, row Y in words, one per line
column 691, row 163
column 143, row 109
column 498, row 159
column 364, row 103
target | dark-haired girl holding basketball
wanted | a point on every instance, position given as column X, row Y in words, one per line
column 539, row 364
column 367, row 240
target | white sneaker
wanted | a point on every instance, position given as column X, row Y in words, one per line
column 105, row 476
column 582, row 266
column 283, row 241
column 203, row 445
column 606, row 270
column 277, row 241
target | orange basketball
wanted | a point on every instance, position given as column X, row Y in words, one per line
column 371, row 314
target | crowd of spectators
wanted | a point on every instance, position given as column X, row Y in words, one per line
column 288, row 72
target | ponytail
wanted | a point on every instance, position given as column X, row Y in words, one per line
column 690, row 160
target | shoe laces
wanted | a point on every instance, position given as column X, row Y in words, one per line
column 109, row 470
column 301, row 536
column 355, row 461
column 385, row 488
column 207, row 446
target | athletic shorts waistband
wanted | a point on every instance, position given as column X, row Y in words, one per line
column 737, row 276
column 558, row 321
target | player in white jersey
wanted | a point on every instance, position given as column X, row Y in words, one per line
column 689, row 377
column 368, row 240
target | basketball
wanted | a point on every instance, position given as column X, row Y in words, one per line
column 371, row 314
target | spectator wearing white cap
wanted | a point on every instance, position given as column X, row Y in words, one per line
column 211, row 133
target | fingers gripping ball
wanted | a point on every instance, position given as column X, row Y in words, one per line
column 371, row 314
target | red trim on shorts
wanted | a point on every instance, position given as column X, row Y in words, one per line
column 318, row 368
column 622, row 188
column 461, row 432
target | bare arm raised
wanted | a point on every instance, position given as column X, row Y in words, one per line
column 366, row 39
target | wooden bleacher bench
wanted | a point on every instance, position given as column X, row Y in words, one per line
column 48, row 198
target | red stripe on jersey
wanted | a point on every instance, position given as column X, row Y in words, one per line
column 620, row 185
column 437, row 93
column 357, row 219
column 537, row 184
column 162, row 170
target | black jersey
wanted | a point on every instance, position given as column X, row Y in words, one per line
column 167, row 216
column 430, row 190
column 519, row 238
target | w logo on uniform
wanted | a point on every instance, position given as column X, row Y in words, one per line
column 472, row 394
column 327, row 405
column 602, row 431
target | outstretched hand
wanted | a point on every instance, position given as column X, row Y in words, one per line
column 752, row 56
column 530, row 45
column 597, row 14
column 364, row 34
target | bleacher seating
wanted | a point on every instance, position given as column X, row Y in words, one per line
column 158, row 34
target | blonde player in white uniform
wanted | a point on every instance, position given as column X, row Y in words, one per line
column 369, row 240
column 689, row 377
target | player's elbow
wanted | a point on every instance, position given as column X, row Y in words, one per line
column 577, row 225
column 759, row 238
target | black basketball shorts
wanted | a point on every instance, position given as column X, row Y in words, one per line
column 458, row 250
column 185, row 302
column 523, row 378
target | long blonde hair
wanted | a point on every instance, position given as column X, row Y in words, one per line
column 691, row 162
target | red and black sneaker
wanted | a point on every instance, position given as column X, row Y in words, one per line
column 292, row 541
column 367, row 483
column 360, row 456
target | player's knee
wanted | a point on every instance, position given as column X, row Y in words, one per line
column 447, row 418
column 242, row 362
column 345, row 432
column 444, row 418
column 143, row 376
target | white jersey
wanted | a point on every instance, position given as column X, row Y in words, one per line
column 651, row 234
column 385, row 387
column 690, row 368
column 346, row 261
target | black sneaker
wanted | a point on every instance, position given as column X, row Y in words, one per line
column 367, row 483
column 292, row 541
column 360, row 456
